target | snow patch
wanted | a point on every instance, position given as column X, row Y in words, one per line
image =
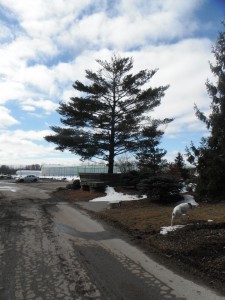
column 112, row 196
column 64, row 178
column 165, row 230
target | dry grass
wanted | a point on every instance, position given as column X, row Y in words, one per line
column 145, row 216
column 149, row 217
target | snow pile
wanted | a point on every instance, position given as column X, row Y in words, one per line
column 184, row 190
column 113, row 196
column 64, row 178
column 165, row 230
column 189, row 187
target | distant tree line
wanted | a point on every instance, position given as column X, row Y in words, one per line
column 11, row 170
column 7, row 170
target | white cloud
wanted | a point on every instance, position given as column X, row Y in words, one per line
column 5, row 32
column 184, row 66
column 125, row 24
column 39, row 76
column 182, row 126
column 43, row 19
column 135, row 24
column 15, row 57
column 47, row 105
column 32, row 135
column 56, row 41
column 17, row 76
column 12, row 91
column 28, row 108
column 6, row 119
column 16, row 53
column 26, row 147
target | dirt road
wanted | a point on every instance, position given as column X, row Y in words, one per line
column 51, row 250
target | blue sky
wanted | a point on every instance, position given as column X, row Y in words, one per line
column 46, row 45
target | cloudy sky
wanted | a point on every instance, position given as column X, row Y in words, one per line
column 46, row 45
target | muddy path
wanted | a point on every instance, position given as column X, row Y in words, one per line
column 51, row 250
column 35, row 263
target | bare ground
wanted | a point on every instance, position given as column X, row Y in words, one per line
column 198, row 248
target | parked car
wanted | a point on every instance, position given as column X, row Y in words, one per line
column 27, row 178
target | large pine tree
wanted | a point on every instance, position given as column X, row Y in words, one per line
column 209, row 157
column 105, row 120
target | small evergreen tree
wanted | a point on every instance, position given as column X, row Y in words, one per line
column 161, row 188
column 104, row 121
column 178, row 168
column 209, row 157
column 153, row 182
column 149, row 155
column 179, row 161
column 131, row 178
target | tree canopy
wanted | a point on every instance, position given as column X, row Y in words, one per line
column 209, row 157
column 107, row 118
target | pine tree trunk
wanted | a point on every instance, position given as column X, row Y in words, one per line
column 111, row 150
column 111, row 163
column 112, row 134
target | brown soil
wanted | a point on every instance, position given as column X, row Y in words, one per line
column 198, row 248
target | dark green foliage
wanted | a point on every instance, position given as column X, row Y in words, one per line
column 160, row 188
column 210, row 183
column 178, row 168
column 209, row 157
column 149, row 155
column 75, row 185
column 131, row 178
column 179, row 161
column 104, row 121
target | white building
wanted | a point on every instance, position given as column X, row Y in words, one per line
column 28, row 172
column 72, row 171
